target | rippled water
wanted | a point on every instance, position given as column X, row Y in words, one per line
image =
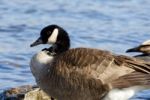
column 114, row 25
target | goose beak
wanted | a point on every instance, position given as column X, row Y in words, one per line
column 136, row 49
column 37, row 42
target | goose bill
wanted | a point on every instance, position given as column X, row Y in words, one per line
column 37, row 42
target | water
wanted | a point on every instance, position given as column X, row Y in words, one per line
column 114, row 25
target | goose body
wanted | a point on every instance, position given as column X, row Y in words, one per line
column 144, row 48
column 85, row 73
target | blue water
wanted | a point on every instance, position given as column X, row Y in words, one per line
column 113, row 25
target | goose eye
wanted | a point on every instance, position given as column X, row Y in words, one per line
column 49, row 32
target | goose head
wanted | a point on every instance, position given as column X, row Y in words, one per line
column 55, row 36
column 143, row 48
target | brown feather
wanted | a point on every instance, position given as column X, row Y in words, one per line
column 132, row 79
column 88, row 74
column 103, row 65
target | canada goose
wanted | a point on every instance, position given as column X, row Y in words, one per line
column 85, row 73
column 144, row 48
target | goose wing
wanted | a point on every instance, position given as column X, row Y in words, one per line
column 132, row 79
column 82, row 64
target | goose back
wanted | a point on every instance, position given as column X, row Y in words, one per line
column 88, row 74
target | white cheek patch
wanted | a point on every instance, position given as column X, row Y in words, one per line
column 146, row 42
column 53, row 38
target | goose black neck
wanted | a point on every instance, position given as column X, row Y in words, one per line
column 63, row 41
column 62, row 44
column 60, row 47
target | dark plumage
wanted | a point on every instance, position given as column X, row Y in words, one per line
column 144, row 48
column 85, row 73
